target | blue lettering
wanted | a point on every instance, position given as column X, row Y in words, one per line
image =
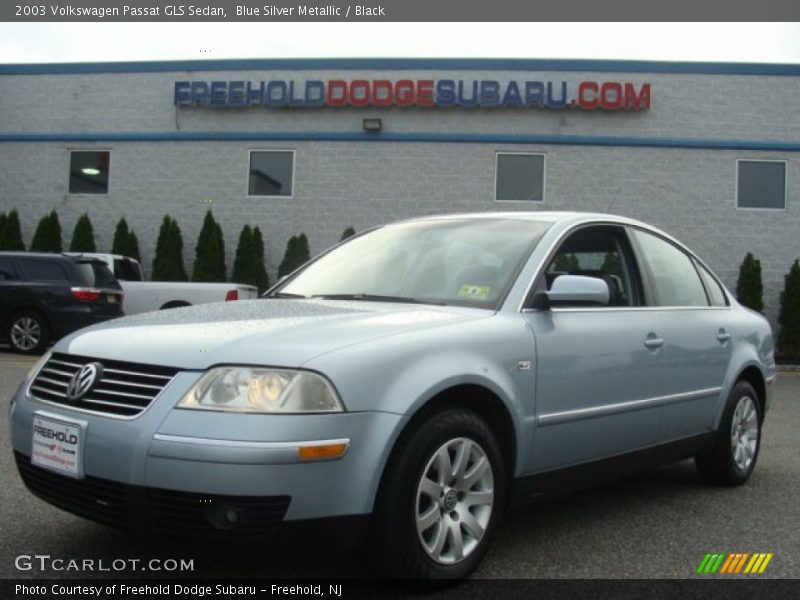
column 182, row 93
column 534, row 93
column 512, row 97
column 554, row 102
column 219, row 94
column 255, row 95
column 490, row 93
column 445, row 92
column 462, row 101
column 315, row 93
column 199, row 93
column 236, row 96
column 280, row 98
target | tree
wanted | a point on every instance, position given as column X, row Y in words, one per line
column 10, row 232
column 567, row 263
column 47, row 237
column 789, row 315
column 248, row 266
column 125, row 241
column 168, row 261
column 749, row 289
column 349, row 232
column 209, row 254
column 297, row 254
column 83, row 236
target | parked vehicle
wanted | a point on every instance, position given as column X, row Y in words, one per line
column 43, row 297
column 144, row 296
column 405, row 385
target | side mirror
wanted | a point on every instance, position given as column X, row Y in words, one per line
column 573, row 290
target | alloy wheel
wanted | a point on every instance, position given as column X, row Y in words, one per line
column 26, row 333
column 744, row 433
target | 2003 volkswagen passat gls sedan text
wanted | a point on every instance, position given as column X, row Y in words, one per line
column 405, row 384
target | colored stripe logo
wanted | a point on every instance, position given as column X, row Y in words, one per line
column 734, row 563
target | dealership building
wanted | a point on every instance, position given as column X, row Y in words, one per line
column 710, row 152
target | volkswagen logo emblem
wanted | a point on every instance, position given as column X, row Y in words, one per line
column 83, row 381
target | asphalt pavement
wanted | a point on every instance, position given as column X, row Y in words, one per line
column 658, row 524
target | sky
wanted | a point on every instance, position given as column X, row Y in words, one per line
column 101, row 42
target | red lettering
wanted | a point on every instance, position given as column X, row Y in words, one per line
column 587, row 95
column 634, row 101
column 611, row 95
column 425, row 92
column 359, row 93
column 404, row 93
column 336, row 94
column 382, row 93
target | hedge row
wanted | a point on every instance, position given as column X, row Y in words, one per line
column 209, row 260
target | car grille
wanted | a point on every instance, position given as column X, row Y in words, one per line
column 166, row 512
column 124, row 390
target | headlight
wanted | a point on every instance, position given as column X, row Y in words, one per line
column 249, row 389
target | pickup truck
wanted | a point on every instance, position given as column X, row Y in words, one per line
column 142, row 296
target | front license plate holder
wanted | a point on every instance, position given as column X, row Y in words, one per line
column 57, row 444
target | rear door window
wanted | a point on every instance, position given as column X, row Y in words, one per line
column 127, row 270
column 40, row 269
column 7, row 270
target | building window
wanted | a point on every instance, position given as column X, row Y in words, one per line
column 761, row 184
column 88, row 171
column 519, row 177
column 271, row 173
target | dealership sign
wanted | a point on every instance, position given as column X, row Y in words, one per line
column 484, row 93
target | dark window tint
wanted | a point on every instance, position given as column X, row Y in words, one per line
column 127, row 270
column 7, row 270
column 595, row 252
column 761, row 184
column 520, row 177
column 97, row 274
column 44, row 270
column 676, row 280
column 270, row 174
column 715, row 292
column 88, row 172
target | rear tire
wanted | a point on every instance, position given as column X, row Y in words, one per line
column 733, row 457
column 440, row 500
column 28, row 333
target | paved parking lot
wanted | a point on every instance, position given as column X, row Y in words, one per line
column 656, row 525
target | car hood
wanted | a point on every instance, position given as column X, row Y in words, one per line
column 280, row 332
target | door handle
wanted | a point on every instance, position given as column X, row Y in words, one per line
column 723, row 336
column 652, row 342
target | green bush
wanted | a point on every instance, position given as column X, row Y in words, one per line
column 209, row 254
column 125, row 241
column 789, row 315
column 168, row 261
column 10, row 232
column 749, row 289
column 47, row 237
column 248, row 266
column 349, row 232
column 83, row 236
column 297, row 254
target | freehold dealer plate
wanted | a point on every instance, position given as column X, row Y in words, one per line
column 58, row 445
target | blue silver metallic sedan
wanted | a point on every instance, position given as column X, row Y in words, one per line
column 403, row 387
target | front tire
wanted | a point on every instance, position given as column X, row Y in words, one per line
column 733, row 457
column 28, row 333
column 441, row 499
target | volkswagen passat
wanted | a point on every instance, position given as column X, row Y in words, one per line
column 406, row 385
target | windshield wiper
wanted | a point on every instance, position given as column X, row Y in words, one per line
column 284, row 295
column 376, row 298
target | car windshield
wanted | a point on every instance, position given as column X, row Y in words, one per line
column 96, row 274
column 468, row 262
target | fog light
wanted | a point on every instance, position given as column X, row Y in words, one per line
column 223, row 516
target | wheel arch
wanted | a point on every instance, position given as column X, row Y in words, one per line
column 474, row 397
column 753, row 375
column 27, row 308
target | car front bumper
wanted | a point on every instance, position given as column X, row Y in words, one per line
column 201, row 472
